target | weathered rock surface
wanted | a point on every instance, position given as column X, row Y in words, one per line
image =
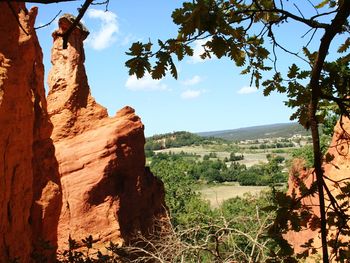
column 298, row 176
column 30, row 195
column 107, row 192
column 72, row 109
column 336, row 171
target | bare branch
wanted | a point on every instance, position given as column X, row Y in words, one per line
column 275, row 43
column 102, row 3
column 309, row 22
column 311, row 38
column 82, row 11
column 327, row 38
column 49, row 23
column 299, row 11
column 323, row 14
column 316, row 10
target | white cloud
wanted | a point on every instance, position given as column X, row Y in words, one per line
column 106, row 35
column 146, row 83
column 198, row 50
column 192, row 81
column 191, row 94
column 247, row 90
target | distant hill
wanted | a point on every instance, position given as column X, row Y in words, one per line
column 284, row 130
column 177, row 139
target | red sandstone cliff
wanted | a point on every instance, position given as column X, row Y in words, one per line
column 30, row 195
column 337, row 175
column 106, row 190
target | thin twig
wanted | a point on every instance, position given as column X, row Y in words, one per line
column 299, row 11
column 316, row 10
column 102, row 3
column 311, row 38
column 49, row 23
column 82, row 11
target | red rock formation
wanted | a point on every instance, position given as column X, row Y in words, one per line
column 298, row 175
column 107, row 192
column 30, row 197
column 337, row 175
column 71, row 107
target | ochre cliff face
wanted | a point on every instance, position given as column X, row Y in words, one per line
column 336, row 171
column 30, row 195
column 299, row 175
column 107, row 192
column 99, row 161
column 71, row 107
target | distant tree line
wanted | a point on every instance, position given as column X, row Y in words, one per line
column 218, row 171
column 177, row 139
column 272, row 145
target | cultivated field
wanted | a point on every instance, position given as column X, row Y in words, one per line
column 217, row 194
column 250, row 158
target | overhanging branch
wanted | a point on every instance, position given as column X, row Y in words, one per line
column 82, row 11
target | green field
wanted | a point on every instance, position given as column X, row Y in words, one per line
column 250, row 158
column 217, row 194
column 257, row 155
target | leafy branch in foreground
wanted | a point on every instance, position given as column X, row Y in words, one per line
column 240, row 30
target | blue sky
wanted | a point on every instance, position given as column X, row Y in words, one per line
column 209, row 95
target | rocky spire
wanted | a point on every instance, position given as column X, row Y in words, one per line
column 107, row 192
column 69, row 97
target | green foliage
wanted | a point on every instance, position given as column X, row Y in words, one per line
column 206, row 157
column 276, row 145
column 180, row 195
column 237, row 231
column 177, row 139
column 149, row 153
column 246, row 215
column 209, row 170
column 305, row 153
column 263, row 174
column 234, row 157
column 329, row 115
column 206, row 236
column 218, row 171
column 139, row 64
column 230, row 28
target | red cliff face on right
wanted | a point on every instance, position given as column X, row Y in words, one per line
column 336, row 166
column 107, row 191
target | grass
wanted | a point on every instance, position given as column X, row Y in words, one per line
column 250, row 158
column 217, row 194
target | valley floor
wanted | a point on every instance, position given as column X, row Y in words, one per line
column 217, row 194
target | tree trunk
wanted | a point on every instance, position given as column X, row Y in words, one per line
column 336, row 27
column 319, row 177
